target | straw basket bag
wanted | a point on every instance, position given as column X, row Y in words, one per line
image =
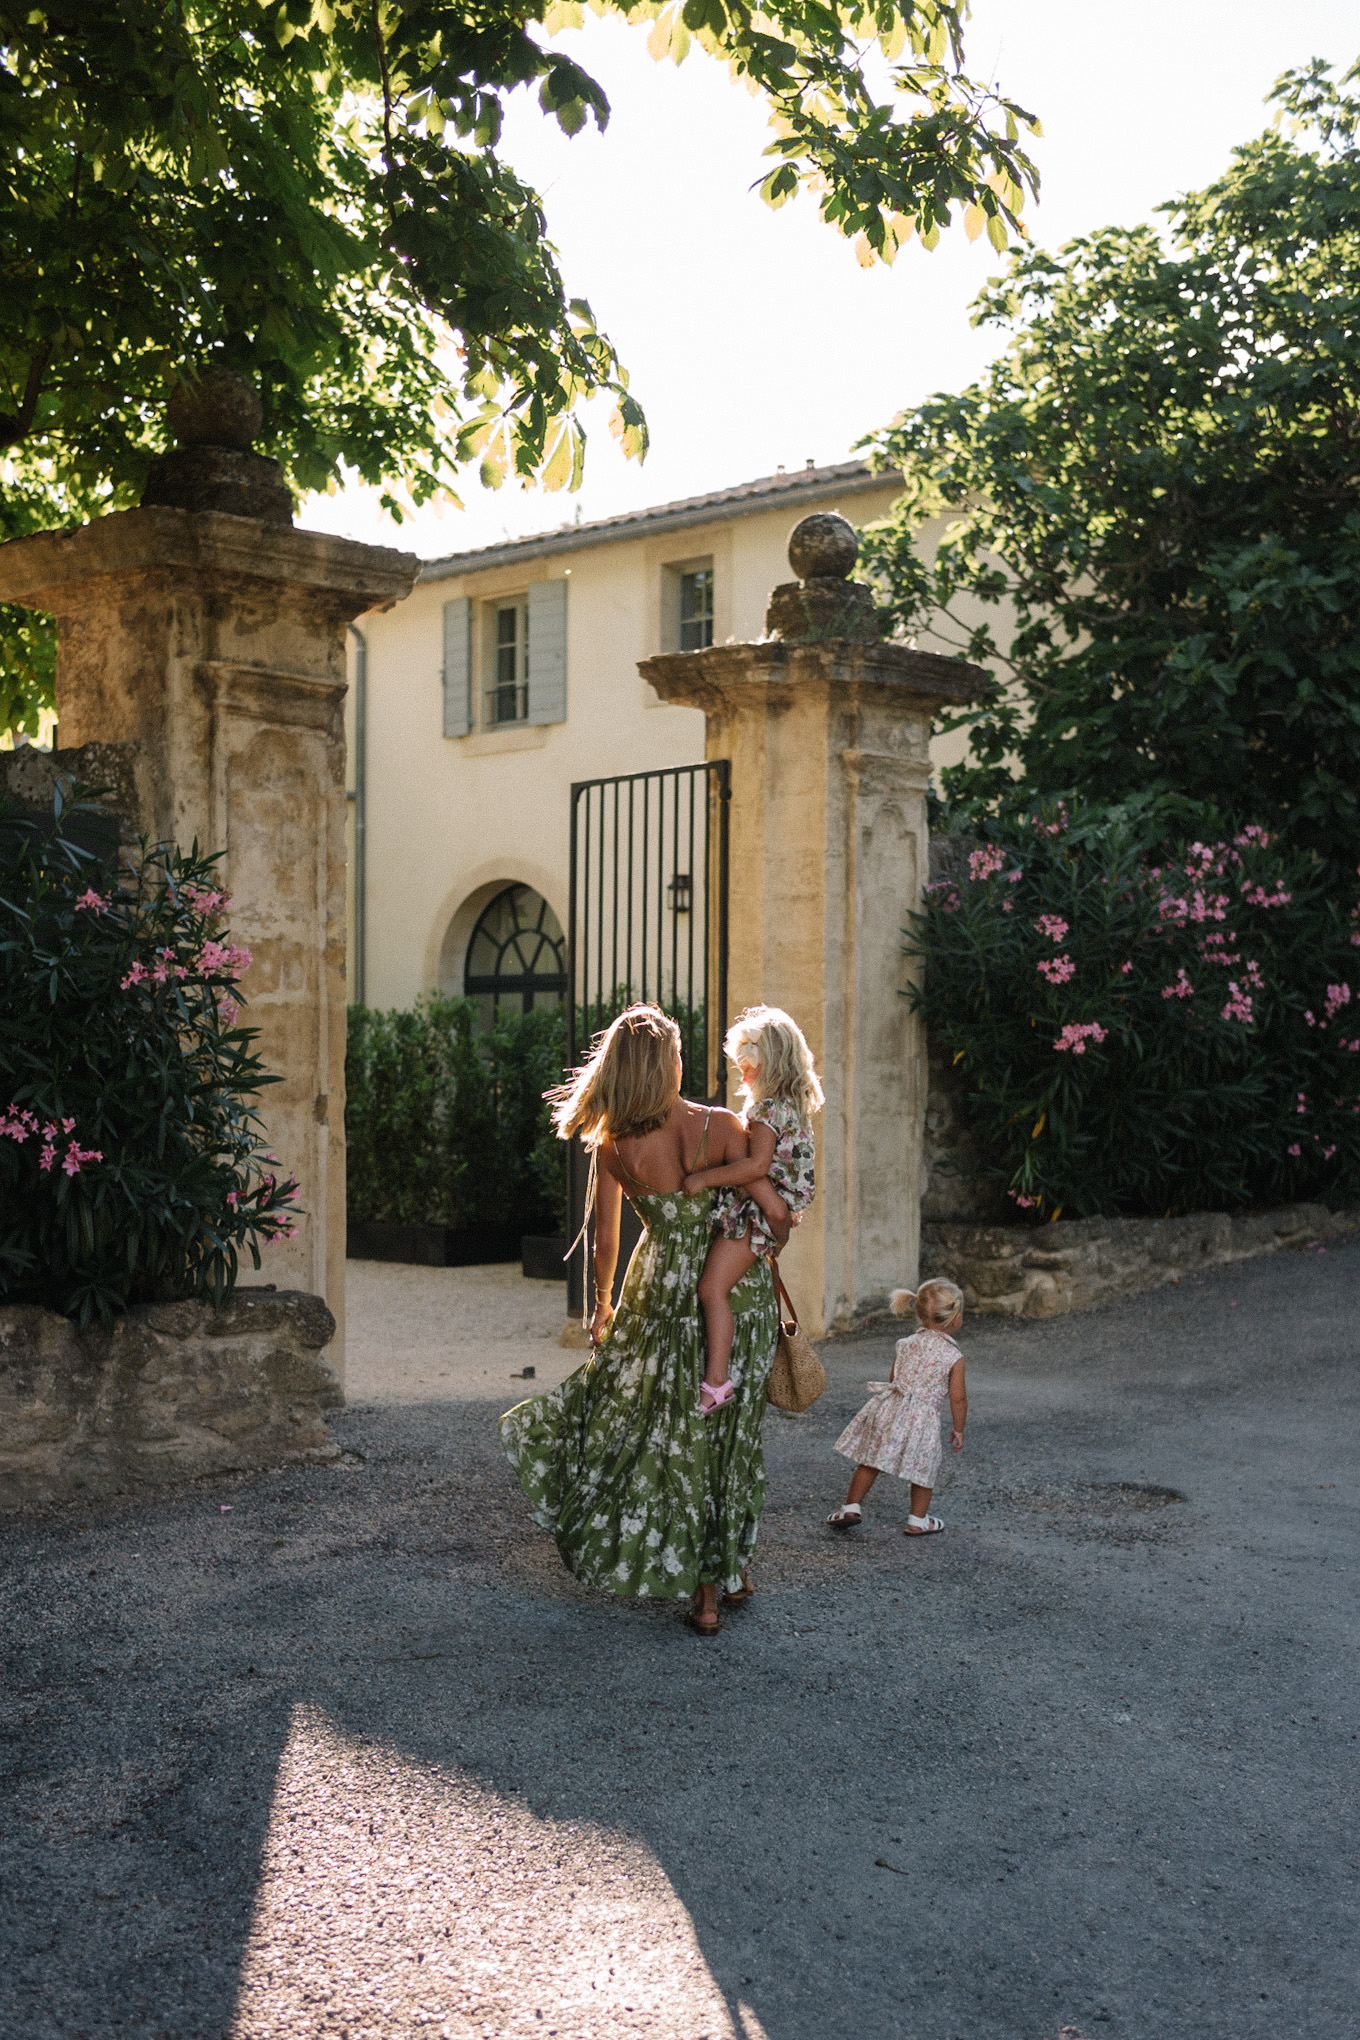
column 797, row 1377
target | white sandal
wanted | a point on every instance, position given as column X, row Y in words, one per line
column 848, row 1517
column 922, row 1526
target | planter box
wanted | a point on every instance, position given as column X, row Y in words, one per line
column 543, row 1257
column 431, row 1246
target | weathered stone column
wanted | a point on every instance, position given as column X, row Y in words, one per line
column 209, row 648
column 827, row 727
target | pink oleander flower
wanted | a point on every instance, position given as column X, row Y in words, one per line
column 1052, row 925
column 1355, row 941
column 1238, row 1006
column 1295, row 1149
column 1252, row 834
column 1257, row 896
column 17, row 1125
column 136, row 976
column 76, row 1156
column 47, row 1157
column 223, row 959
column 1008, row 905
column 1309, row 1018
column 986, row 862
column 1076, row 1035
column 1303, row 1102
column 1125, row 968
column 1181, row 989
column 93, row 901
column 1337, row 997
column 1057, row 969
column 1014, row 877
column 1025, row 1203
column 1352, row 1048
column 1328, row 1152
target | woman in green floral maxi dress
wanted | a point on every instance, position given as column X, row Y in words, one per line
column 644, row 1495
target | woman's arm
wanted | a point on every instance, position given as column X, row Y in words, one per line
column 734, row 1175
column 958, row 1404
column 608, row 1207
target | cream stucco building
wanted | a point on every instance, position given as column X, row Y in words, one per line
column 510, row 673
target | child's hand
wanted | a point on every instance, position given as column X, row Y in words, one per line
column 956, row 1440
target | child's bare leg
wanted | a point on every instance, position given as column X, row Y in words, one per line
column 920, row 1500
column 847, row 1517
column 728, row 1260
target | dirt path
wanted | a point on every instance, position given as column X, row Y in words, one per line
column 344, row 1752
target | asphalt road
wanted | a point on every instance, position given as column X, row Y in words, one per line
column 344, row 1752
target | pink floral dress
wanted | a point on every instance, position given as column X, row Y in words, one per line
column 791, row 1172
column 898, row 1430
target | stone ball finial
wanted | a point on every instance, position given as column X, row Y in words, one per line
column 823, row 547
column 215, row 407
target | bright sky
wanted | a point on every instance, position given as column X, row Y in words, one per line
column 753, row 338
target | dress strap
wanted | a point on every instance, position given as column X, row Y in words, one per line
column 636, row 1181
column 701, row 1157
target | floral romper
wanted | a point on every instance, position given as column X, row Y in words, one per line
column 790, row 1172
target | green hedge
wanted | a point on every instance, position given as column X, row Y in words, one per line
column 1147, row 1029
column 445, row 1124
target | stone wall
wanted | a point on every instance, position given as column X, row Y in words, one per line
column 173, row 1391
column 1046, row 1270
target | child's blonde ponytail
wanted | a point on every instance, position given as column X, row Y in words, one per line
column 935, row 1303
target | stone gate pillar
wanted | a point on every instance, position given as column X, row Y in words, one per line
column 827, row 727
column 207, row 646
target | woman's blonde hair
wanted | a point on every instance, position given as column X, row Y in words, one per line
column 935, row 1303
column 628, row 1085
column 767, row 1037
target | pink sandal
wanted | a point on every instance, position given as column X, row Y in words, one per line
column 717, row 1398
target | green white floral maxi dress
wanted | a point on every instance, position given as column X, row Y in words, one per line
column 644, row 1495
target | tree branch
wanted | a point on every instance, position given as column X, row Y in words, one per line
column 16, row 425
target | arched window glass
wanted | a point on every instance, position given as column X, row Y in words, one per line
column 517, row 956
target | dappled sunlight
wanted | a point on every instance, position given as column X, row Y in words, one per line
column 400, row 1896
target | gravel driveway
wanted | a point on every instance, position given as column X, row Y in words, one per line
column 344, row 1752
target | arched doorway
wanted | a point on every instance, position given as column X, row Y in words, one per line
column 516, row 958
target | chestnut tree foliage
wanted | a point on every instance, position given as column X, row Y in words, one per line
column 310, row 191
column 1155, row 498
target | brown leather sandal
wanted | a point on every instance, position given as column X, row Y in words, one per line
column 744, row 1594
column 703, row 1621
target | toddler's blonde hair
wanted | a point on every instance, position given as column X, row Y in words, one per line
column 769, row 1038
column 629, row 1083
column 935, row 1303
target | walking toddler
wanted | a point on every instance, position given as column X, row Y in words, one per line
column 781, row 1092
column 898, row 1430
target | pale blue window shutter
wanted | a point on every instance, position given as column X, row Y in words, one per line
column 547, row 652
column 457, row 667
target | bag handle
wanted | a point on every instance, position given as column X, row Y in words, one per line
column 781, row 1292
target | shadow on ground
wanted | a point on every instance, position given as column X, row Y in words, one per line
column 344, row 1752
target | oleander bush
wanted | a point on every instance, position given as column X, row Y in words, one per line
column 1145, row 1027
column 132, row 1163
column 445, row 1122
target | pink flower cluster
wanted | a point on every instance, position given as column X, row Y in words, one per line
column 1075, row 1036
column 1052, row 925
column 1025, row 1203
column 1053, row 828
column 18, row 1126
column 1337, row 997
column 1257, row 896
column 95, row 902
column 224, row 959
column 1182, row 989
column 986, row 862
column 1199, row 906
column 1238, row 1006
column 205, row 900
column 1057, row 969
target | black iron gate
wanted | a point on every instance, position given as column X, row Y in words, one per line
column 647, row 919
